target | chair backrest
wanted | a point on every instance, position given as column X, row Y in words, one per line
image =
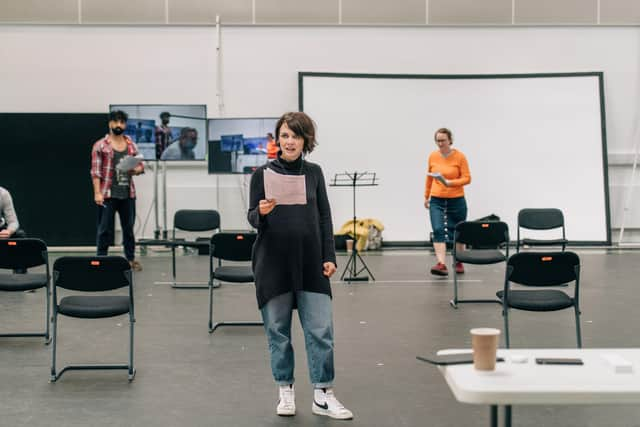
column 196, row 220
column 91, row 273
column 543, row 268
column 482, row 234
column 540, row 219
column 233, row 246
column 22, row 253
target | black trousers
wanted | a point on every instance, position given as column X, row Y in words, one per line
column 126, row 209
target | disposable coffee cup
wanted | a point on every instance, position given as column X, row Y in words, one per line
column 349, row 245
column 484, row 342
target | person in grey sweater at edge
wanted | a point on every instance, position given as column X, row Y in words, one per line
column 8, row 219
column 9, row 225
column 293, row 259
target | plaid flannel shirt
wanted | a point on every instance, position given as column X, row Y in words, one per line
column 102, row 166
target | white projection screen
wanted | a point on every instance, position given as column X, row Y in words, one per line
column 532, row 141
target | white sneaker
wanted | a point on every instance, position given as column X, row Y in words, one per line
column 325, row 403
column 287, row 403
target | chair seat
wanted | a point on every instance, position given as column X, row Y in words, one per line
column 22, row 282
column 94, row 307
column 540, row 242
column 480, row 256
column 547, row 300
column 234, row 273
column 191, row 243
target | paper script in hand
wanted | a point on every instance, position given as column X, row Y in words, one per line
column 438, row 176
column 285, row 189
column 129, row 162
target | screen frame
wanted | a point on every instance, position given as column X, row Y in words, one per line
column 205, row 119
column 212, row 140
column 603, row 136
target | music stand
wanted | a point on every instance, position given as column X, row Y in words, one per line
column 353, row 180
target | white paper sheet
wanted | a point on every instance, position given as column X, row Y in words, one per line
column 129, row 162
column 285, row 189
column 438, row 176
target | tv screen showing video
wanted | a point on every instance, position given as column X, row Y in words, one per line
column 240, row 145
column 255, row 145
column 167, row 132
column 231, row 143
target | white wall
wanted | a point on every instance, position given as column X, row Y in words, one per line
column 502, row 125
column 84, row 69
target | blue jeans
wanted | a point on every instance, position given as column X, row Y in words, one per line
column 445, row 214
column 316, row 317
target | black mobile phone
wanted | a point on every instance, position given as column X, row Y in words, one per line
column 451, row 359
column 558, row 361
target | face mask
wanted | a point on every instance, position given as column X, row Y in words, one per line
column 117, row 130
column 189, row 144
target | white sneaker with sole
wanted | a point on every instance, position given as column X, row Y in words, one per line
column 325, row 403
column 287, row 403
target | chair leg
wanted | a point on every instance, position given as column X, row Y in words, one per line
column 505, row 315
column 211, row 306
column 454, row 301
column 173, row 264
column 53, row 376
column 47, row 336
column 132, row 370
column 578, row 331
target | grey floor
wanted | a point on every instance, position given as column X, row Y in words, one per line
column 186, row 377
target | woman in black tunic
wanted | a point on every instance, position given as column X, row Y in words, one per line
column 293, row 259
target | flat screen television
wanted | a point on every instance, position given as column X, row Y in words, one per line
column 231, row 143
column 182, row 138
column 255, row 145
column 226, row 156
column 142, row 132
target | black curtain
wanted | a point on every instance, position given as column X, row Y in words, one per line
column 45, row 160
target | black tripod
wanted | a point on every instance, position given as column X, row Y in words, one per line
column 355, row 179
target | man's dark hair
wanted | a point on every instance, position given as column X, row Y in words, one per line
column 165, row 114
column 118, row 115
column 184, row 132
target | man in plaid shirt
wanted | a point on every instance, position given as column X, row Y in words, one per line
column 113, row 188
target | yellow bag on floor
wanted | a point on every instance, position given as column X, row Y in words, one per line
column 368, row 233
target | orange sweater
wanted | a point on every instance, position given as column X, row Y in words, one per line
column 454, row 168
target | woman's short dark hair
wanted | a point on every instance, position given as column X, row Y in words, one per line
column 118, row 115
column 445, row 131
column 302, row 125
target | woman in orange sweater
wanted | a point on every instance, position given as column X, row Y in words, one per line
column 447, row 173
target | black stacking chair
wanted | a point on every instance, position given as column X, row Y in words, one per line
column 20, row 254
column 541, row 269
column 192, row 220
column 92, row 275
column 484, row 241
column 541, row 219
column 230, row 246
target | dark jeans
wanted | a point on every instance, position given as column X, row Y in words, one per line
column 126, row 209
column 445, row 214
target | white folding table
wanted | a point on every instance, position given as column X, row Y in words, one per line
column 595, row 382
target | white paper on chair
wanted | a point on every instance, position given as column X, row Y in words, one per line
column 285, row 189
